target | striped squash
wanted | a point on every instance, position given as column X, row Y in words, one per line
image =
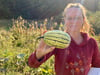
column 57, row 38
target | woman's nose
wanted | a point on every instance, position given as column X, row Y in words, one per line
column 72, row 21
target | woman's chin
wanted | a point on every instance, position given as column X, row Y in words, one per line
column 73, row 31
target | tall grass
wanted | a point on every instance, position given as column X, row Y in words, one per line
column 18, row 43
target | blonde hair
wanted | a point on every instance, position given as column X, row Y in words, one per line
column 86, row 25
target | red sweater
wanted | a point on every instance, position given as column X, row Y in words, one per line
column 73, row 60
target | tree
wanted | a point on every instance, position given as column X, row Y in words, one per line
column 39, row 9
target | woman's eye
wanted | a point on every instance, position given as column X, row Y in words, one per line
column 69, row 18
column 77, row 18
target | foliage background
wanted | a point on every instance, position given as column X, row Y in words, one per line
column 21, row 22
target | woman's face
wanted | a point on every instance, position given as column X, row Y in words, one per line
column 73, row 19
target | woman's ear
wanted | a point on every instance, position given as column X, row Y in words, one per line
column 64, row 19
column 83, row 19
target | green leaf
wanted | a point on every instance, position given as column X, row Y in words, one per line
column 19, row 56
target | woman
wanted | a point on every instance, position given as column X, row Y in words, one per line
column 80, row 55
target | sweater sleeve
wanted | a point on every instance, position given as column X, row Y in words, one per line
column 34, row 63
column 96, row 56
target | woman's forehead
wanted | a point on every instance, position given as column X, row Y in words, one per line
column 74, row 12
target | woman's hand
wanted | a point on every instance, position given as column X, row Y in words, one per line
column 43, row 49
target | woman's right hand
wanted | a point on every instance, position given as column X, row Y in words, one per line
column 43, row 49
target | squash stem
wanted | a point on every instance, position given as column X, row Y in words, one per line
column 40, row 37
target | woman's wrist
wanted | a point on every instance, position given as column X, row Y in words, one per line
column 39, row 55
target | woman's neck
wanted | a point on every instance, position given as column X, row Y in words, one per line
column 77, row 37
column 75, row 34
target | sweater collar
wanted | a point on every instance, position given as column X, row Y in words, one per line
column 84, row 42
